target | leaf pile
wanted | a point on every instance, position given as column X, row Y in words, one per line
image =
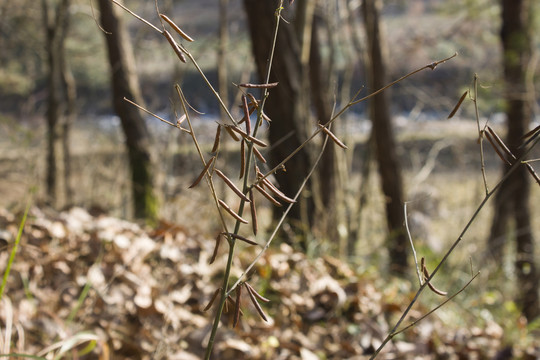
column 143, row 295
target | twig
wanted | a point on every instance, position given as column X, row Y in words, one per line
column 224, row 293
column 431, row 66
column 480, row 132
column 136, row 16
column 415, row 322
column 156, row 116
column 281, row 220
column 451, row 249
column 412, row 244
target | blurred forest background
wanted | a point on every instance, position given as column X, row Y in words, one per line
column 64, row 128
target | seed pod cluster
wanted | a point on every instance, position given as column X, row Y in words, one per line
column 254, row 295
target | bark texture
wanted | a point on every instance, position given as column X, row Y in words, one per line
column 385, row 144
column 125, row 85
column 512, row 209
column 287, row 130
column 60, row 105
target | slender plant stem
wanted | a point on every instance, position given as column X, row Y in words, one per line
column 231, row 240
column 451, row 249
column 136, row 16
column 480, row 133
column 413, row 323
column 14, row 249
column 281, row 220
column 412, row 244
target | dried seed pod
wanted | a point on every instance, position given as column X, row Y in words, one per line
column 242, row 158
column 500, row 142
column 251, row 110
column 201, row 175
column 265, row 117
column 259, row 155
column 176, row 28
column 254, row 223
column 216, row 139
column 494, row 146
column 431, row 287
column 258, row 86
column 241, row 238
column 237, row 130
column 276, row 191
column 257, row 141
column 237, row 308
column 532, row 132
column 231, row 185
column 267, row 195
column 258, row 172
column 246, row 114
column 231, row 133
column 212, row 299
column 257, row 295
column 246, row 136
column 503, row 146
column 216, row 248
column 233, row 303
column 181, row 120
column 174, row 45
column 253, row 103
column 255, row 303
column 333, row 137
column 231, row 212
column 456, row 108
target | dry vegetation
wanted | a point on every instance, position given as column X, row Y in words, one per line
column 146, row 292
column 84, row 278
column 147, row 288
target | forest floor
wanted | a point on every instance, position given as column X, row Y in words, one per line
column 137, row 294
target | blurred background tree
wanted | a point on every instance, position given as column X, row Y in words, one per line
column 383, row 134
column 512, row 215
column 125, row 85
column 60, row 105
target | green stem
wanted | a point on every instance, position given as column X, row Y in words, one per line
column 232, row 241
column 14, row 250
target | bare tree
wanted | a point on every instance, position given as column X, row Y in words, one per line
column 385, row 144
column 60, row 105
column 125, row 85
column 512, row 200
column 320, row 89
column 222, row 59
column 284, row 103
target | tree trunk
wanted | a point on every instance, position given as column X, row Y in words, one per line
column 385, row 145
column 56, row 21
column 287, row 130
column 321, row 96
column 512, row 200
column 125, row 85
column 68, row 82
column 221, row 58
